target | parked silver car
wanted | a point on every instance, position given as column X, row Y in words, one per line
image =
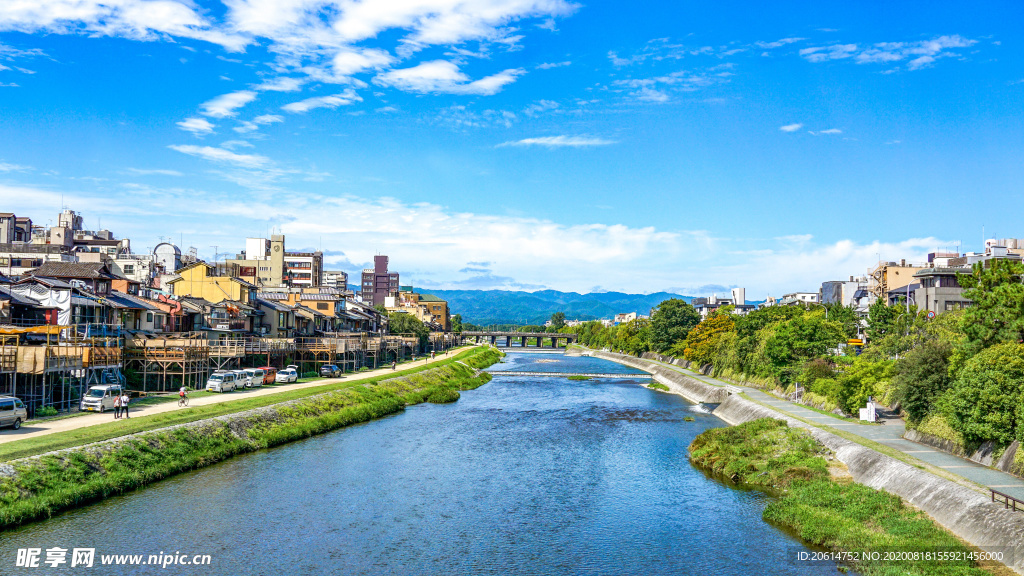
column 12, row 412
column 330, row 371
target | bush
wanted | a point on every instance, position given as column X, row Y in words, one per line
column 921, row 377
column 987, row 401
column 46, row 411
column 312, row 374
column 658, row 386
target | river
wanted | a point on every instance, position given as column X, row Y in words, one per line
column 525, row 475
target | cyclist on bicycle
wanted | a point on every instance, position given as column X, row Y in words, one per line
column 183, row 393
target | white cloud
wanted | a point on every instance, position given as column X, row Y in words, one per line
column 152, row 172
column 549, row 65
column 791, row 127
column 132, row 19
column 255, row 123
column 829, row 131
column 560, row 142
column 7, row 167
column 834, row 52
column 345, row 98
column 226, row 105
column 232, row 144
column 8, row 85
column 444, row 77
column 197, row 126
column 222, row 155
column 918, row 55
column 281, row 84
column 351, row 61
column 778, row 43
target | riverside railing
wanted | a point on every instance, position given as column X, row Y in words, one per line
column 1007, row 500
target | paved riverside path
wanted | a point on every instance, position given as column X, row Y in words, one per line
column 888, row 434
column 36, row 428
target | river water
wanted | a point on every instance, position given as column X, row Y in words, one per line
column 525, row 475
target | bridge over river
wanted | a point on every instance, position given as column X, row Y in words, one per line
column 509, row 338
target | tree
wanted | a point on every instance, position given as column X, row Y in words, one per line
column 402, row 323
column 457, row 323
column 799, row 339
column 703, row 340
column 671, row 322
column 997, row 313
column 987, row 401
column 921, row 377
column 558, row 320
column 882, row 319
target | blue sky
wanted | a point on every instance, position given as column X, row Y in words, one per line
column 522, row 144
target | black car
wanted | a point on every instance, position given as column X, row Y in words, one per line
column 330, row 371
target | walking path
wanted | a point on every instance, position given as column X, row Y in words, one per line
column 889, row 433
column 36, row 428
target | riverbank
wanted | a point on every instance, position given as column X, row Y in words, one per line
column 965, row 511
column 40, row 486
column 817, row 500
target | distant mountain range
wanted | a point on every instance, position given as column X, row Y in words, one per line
column 485, row 307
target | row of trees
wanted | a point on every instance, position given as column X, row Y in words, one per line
column 961, row 371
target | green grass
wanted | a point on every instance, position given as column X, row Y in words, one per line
column 658, row 386
column 115, row 428
column 838, row 515
column 44, row 486
column 578, row 378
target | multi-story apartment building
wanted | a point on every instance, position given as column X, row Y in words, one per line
column 304, row 269
column 335, row 279
column 378, row 283
column 267, row 264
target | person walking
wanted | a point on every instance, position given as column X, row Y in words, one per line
column 124, row 404
column 394, row 364
column 117, row 406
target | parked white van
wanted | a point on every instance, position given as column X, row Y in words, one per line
column 287, row 375
column 100, row 398
column 254, row 377
column 12, row 412
column 221, row 382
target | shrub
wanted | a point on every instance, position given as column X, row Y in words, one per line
column 921, row 377
column 658, row 386
column 46, row 411
column 987, row 401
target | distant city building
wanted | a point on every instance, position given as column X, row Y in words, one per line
column 939, row 289
column 335, row 279
column 888, row 276
column 377, row 283
column 266, row 263
column 798, row 298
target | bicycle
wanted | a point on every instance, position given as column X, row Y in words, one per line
column 183, row 401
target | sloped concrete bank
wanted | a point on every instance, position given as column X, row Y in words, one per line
column 964, row 512
column 984, row 455
column 690, row 388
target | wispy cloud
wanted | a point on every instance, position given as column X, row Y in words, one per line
column 255, row 123
column 227, row 105
column 560, row 142
column 222, row 155
column 791, row 127
column 152, row 172
column 7, row 167
column 920, row 54
column 778, row 43
column 345, row 98
column 281, row 84
column 826, row 132
column 549, row 65
column 197, row 126
column 444, row 77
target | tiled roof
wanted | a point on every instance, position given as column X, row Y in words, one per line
column 92, row 270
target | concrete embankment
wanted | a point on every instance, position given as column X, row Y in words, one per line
column 965, row 512
column 984, row 454
column 39, row 486
column 690, row 388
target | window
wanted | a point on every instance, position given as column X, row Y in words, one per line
column 129, row 269
column 323, row 306
column 149, row 316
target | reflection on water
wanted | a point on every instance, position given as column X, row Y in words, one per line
column 542, row 476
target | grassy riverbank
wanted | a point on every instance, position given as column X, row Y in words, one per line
column 36, row 488
column 822, row 506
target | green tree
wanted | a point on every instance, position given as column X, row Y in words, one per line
column 997, row 313
column 558, row 321
column 921, row 377
column 800, row 339
column 457, row 323
column 402, row 323
column 671, row 322
column 987, row 401
column 882, row 319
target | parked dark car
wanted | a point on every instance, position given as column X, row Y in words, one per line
column 330, row 371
